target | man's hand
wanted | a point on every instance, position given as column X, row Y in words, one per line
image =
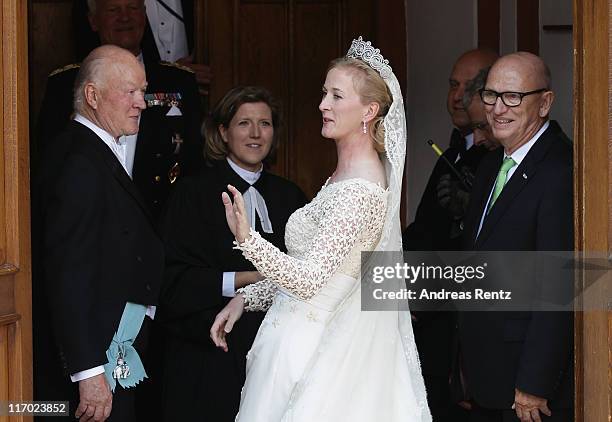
column 528, row 407
column 95, row 399
column 452, row 196
column 225, row 320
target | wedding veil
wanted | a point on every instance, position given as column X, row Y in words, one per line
column 366, row 367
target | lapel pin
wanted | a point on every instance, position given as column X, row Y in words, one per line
column 524, row 176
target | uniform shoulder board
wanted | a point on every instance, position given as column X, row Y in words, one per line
column 65, row 68
column 176, row 65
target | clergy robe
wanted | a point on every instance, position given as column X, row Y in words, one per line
column 202, row 382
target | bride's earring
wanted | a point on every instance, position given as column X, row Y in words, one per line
column 365, row 129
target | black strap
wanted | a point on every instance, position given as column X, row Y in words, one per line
column 169, row 9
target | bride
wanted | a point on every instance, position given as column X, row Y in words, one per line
column 317, row 355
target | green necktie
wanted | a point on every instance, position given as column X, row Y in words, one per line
column 501, row 180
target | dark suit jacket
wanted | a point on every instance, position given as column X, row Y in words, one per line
column 531, row 351
column 100, row 248
column 430, row 231
column 198, row 376
column 154, row 157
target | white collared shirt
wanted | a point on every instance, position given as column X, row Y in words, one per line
column 469, row 143
column 117, row 146
column 518, row 156
column 469, row 140
column 169, row 32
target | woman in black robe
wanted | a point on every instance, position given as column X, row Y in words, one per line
column 200, row 381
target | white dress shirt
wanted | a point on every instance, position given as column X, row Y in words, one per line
column 168, row 31
column 119, row 147
column 518, row 156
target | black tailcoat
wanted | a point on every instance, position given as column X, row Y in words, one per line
column 99, row 250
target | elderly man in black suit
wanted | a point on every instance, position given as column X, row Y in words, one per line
column 168, row 144
column 521, row 201
column 103, row 261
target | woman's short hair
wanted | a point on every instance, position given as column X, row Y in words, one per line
column 371, row 88
column 223, row 113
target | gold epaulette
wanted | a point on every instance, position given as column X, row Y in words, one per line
column 176, row 65
column 65, row 68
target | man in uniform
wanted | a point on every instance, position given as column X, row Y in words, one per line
column 168, row 144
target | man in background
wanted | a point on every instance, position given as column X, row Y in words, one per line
column 437, row 228
column 454, row 194
column 168, row 145
column 168, row 36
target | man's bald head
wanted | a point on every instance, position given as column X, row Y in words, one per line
column 521, row 73
column 109, row 90
column 99, row 66
column 465, row 68
column 530, row 65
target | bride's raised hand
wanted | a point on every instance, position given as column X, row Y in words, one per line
column 225, row 320
column 235, row 214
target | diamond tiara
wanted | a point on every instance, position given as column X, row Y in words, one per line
column 363, row 50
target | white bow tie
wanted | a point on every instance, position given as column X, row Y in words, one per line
column 256, row 204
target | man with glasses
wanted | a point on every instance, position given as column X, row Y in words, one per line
column 436, row 228
column 518, row 365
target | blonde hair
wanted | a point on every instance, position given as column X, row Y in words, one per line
column 371, row 89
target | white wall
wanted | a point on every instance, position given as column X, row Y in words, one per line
column 438, row 32
column 556, row 49
column 507, row 26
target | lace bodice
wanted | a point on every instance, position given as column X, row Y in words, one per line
column 322, row 238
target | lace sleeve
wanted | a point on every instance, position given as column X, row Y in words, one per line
column 258, row 296
column 351, row 210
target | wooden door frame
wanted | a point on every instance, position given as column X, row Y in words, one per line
column 15, row 268
column 593, row 149
column 593, row 191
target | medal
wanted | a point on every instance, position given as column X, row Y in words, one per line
column 122, row 370
column 165, row 99
column 174, row 109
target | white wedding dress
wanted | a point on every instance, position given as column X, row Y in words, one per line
column 317, row 357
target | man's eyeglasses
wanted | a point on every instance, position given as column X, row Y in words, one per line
column 509, row 98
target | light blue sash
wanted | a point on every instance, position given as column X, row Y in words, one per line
column 122, row 343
